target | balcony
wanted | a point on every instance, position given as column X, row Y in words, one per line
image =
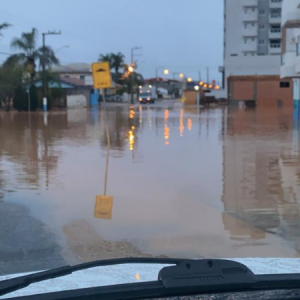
column 249, row 47
column 275, row 49
column 275, row 19
column 250, row 3
column 275, row 34
column 275, row 3
column 251, row 31
column 251, row 16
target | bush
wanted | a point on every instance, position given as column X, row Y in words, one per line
column 20, row 99
column 34, row 100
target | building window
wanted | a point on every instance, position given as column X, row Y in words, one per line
column 284, row 84
column 261, row 26
column 82, row 77
column 262, row 11
column 253, row 24
column 261, row 42
column 253, row 39
column 245, row 41
column 298, row 49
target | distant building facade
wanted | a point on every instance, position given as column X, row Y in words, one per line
column 290, row 67
column 252, row 45
column 81, row 71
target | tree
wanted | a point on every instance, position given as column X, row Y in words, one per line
column 107, row 58
column 4, row 26
column 34, row 101
column 30, row 54
column 127, row 79
column 10, row 79
column 20, row 99
column 118, row 61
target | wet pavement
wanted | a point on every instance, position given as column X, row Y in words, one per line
column 187, row 182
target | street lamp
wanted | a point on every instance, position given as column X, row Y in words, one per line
column 44, row 64
column 130, row 69
column 189, row 79
column 166, row 72
column 196, row 87
column 181, row 75
column 62, row 47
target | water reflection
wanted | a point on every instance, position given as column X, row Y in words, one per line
column 231, row 179
column 258, row 188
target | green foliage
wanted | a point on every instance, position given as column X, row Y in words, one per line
column 4, row 26
column 10, row 79
column 135, row 78
column 34, row 100
column 29, row 53
column 116, row 61
column 107, row 58
column 122, row 90
column 20, row 99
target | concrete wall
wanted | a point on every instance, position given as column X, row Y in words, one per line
column 78, row 98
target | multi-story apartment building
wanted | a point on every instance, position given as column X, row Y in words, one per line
column 290, row 67
column 252, row 49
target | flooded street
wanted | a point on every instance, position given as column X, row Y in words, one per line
column 194, row 183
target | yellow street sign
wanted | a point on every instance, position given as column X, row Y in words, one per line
column 101, row 75
column 103, row 207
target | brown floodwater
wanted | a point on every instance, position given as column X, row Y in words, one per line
column 185, row 182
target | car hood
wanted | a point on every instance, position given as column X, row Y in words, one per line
column 120, row 274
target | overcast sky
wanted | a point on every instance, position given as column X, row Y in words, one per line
column 181, row 35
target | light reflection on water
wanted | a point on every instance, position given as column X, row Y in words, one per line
column 208, row 183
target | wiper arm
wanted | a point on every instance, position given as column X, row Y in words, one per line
column 14, row 284
column 187, row 277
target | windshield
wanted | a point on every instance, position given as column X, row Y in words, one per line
column 207, row 166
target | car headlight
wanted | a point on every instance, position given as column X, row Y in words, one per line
column 148, row 98
column 140, row 99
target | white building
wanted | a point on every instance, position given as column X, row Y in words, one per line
column 252, row 37
column 291, row 44
column 82, row 71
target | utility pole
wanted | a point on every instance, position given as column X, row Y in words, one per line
column 44, row 65
column 132, row 75
column 207, row 75
column 199, row 75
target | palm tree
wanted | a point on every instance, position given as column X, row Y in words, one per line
column 3, row 26
column 106, row 57
column 30, row 53
column 118, row 61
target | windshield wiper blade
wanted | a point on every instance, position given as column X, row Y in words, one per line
column 14, row 284
column 187, row 277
